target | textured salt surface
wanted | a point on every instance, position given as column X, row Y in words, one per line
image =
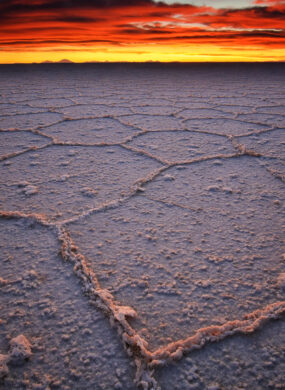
column 17, row 142
column 254, row 362
column 182, row 146
column 91, row 131
column 223, row 126
column 71, row 179
column 270, row 143
column 176, row 242
column 28, row 121
column 163, row 186
column 73, row 346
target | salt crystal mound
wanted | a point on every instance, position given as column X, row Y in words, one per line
column 268, row 143
column 20, row 350
column 91, row 131
column 193, row 250
column 16, row 142
column 176, row 147
column 254, row 362
column 70, row 180
column 72, row 343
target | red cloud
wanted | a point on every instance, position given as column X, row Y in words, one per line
column 43, row 23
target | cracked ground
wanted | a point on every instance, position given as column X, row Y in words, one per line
column 142, row 226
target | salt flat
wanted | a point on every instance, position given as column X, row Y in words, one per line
column 142, row 226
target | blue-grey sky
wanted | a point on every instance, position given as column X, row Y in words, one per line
column 214, row 3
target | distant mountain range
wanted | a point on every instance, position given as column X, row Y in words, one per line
column 64, row 61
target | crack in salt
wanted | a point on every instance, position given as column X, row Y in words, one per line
column 30, row 149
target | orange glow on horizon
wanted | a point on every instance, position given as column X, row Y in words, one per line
column 144, row 54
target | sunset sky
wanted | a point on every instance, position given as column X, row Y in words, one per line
column 142, row 30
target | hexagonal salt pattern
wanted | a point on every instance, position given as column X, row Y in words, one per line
column 164, row 185
column 64, row 182
column 91, row 131
column 223, row 126
column 29, row 121
column 178, row 147
column 152, row 122
column 200, row 246
column 15, row 142
column 86, row 111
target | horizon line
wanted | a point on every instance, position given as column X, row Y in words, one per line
column 61, row 62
